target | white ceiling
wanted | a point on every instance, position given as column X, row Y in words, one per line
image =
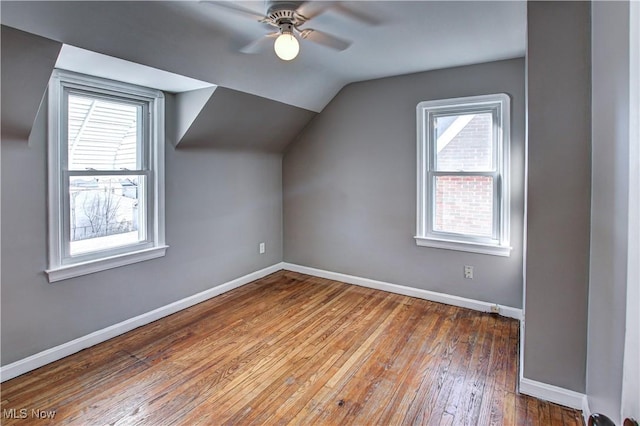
column 96, row 64
column 201, row 40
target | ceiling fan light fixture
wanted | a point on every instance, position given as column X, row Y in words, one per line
column 286, row 46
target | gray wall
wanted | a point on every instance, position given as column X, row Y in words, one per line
column 219, row 206
column 558, row 204
column 24, row 78
column 609, row 206
column 350, row 186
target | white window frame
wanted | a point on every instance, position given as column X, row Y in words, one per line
column 62, row 265
column 498, row 243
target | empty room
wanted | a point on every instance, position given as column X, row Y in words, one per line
column 321, row 212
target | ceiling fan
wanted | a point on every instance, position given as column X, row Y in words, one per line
column 289, row 17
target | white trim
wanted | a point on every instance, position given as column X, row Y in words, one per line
column 105, row 85
column 551, row 393
column 102, row 264
column 521, row 348
column 61, row 264
column 498, row 244
column 525, row 219
column 58, row 352
column 586, row 411
column 433, row 296
column 630, row 400
column 467, row 246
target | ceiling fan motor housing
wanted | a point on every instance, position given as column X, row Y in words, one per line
column 283, row 13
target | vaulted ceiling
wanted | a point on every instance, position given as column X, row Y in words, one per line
column 202, row 40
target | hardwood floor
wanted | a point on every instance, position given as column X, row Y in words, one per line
column 293, row 349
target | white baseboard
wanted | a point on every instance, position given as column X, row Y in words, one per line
column 32, row 362
column 433, row 296
column 551, row 393
column 586, row 411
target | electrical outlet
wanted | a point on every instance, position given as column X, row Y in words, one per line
column 468, row 272
column 262, row 248
column 495, row 309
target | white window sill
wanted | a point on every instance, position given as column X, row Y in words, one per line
column 70, row 271
column 464, row 246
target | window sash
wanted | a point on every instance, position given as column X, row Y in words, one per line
column 432, row 164
column 144, row 122
column 146, row 199
column 432, row 176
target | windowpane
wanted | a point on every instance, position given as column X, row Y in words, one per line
column 105, row 212
column 464, row 205
column 102, row 134
column 464, row 142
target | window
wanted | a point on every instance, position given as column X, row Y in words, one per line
column 463, row 174
column 106, row 174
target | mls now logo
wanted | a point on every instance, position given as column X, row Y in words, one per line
column 14, row 413
column 23, row 413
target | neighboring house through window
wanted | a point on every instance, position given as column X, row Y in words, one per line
column 463, row 174
column 106, row 174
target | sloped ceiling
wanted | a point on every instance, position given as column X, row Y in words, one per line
column 235, row 120
column 201, row 40
column 258, row 101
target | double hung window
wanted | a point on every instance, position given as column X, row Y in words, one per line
column 106, row 174
column 463, row 174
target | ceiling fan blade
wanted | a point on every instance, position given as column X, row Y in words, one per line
column 311, row 9
column 357, row 15
column 324, row 39
column 236, row 8
column 257, row 45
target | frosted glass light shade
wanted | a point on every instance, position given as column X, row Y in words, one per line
column 286, row 46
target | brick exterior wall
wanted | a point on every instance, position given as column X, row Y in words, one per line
column 465, row 204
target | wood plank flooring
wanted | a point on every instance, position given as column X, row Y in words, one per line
column 292, row 349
